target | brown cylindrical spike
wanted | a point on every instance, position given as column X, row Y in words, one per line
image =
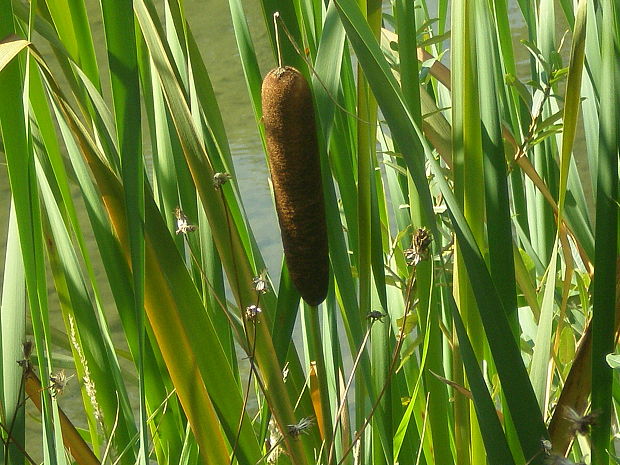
column 288, row 115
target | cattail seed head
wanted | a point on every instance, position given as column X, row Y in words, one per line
column 288, row 115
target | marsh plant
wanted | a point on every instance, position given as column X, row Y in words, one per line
column 467, row 300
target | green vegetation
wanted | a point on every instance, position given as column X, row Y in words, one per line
column 477, row 298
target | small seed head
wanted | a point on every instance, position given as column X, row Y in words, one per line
column 261, row 286
column 300, row 428
column 183, row 225
column 376, row 315
column 252, row 312
column 546, row 445
column 420, row 246
column 59, row 382
column 219, row 179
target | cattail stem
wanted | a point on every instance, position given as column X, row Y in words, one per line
column 276, row 15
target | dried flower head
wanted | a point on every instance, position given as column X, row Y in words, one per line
column 546, row 446
column 420, row 246
column 376, row 315
column 252, row 312
column 183, row 225
column 300, row 428
column 219, row 179
column 59, row 382
column 261, row 286
column 579, row 424
column 27, row 351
